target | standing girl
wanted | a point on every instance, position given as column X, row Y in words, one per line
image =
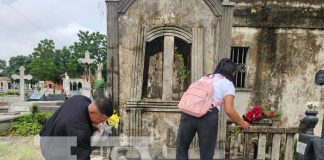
column 206, row 126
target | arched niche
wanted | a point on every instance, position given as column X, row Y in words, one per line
column 79, row 85
column 166, row 71
column 75, row 86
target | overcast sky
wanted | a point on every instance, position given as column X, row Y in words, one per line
column 23, row 23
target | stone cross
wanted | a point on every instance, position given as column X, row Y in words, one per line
column 22, row 78
column 86, row 62
column 99, row 72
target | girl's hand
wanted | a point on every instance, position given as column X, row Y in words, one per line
column 245, row 125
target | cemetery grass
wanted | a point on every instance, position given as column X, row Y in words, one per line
column 19, row 148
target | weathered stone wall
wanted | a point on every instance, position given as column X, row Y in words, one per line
column 162, row 126
column 150, row 14
column 279, row 13
column 286, row 40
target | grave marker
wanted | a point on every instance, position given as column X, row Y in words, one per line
column 22, row 78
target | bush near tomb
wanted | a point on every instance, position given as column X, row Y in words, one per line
column 29, row 124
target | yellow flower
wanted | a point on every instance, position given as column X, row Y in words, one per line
column 114, row 120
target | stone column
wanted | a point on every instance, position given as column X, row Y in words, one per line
column 210, row 50
column 226, row 30
column 135, row 124
column 224, row 52
column 66, row 84
column 138, row 66
column 168, row 57
column 99, row 71
column 22, row 83
column 197, row 54
column 112, row 50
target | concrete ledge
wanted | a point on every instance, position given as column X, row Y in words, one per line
column 5, row 122
column 268, row 129
column 43, row 105
column 9, row 99
column 154, row 106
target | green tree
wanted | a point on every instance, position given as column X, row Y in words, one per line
column 68, row 62
column 43, row 65
column 14, row 64
column 48, row 63
column 2, row 67
column 2, row 64
column 96, row 44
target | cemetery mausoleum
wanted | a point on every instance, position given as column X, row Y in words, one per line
column 157, row 48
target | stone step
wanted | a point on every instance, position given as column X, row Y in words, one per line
column 3, row 109
column 133, row 153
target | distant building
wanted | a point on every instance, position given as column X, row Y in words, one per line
column 75, row 85
column 49, row 87
column 5, row 84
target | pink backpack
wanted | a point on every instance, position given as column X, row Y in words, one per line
column 198, row 99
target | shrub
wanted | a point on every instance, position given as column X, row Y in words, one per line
column 29, row 124
column 34, row 108
column 98, row 88
column 25, row 129
column 43, row 117
column 9, row 93
column 12, row 93
column 97, row 84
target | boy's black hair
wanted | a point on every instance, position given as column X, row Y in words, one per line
column 105, row 106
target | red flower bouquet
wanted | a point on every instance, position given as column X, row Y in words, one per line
column 256, row 114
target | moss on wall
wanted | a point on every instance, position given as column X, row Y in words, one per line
column 280, row 1
column 282, row 13
column 266, row 57
column 282, row 55
column 279, row 54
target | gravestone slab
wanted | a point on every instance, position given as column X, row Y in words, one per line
column 86, row 90
column 55, row 97
column 40, row 96
column 19, row 107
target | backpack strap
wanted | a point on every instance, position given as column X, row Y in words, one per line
column 220, row 102
column 217, row 103
column 212, row 79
